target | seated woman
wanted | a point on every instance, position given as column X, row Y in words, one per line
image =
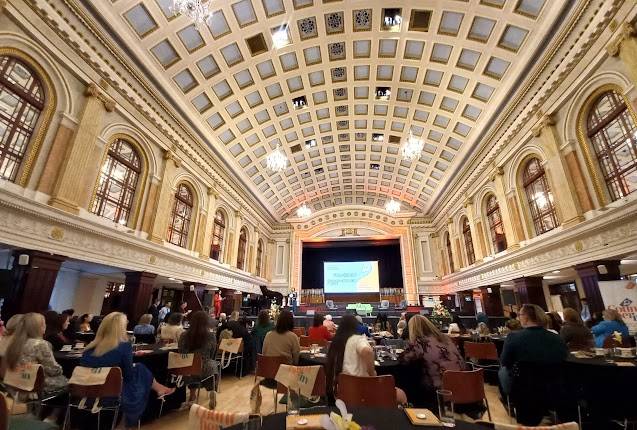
column 112, row 349
column 433, row 353
column 483, row 329
column 198, row 339
column 28, row 346
column 144, row 327
column 9, row 330
column 574, row 333
column 85, row 323
column 612, row 323
column 173, row 329
column 382, row 324
column 318, row 330
column 55, row 326
column 262, row 327
column 331, row 326
column 553, row 322
column 282, row 341
column 351, row 354
column 513, row 325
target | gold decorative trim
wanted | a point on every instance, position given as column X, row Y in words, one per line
column 582, row 138
column 50, row 104
column 143, row 175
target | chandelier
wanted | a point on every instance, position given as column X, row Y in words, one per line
column 303, row 211
column 196, row 10
column 412, row 148
column 276, row 161
column 392, row 207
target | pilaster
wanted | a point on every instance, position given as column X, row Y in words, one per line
column 207, row 227
column 165, row 196
column 624, row 46
column 513, row 241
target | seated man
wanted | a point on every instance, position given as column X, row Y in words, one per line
column 362, row 328
column 534, row 344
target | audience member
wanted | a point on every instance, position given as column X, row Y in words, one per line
column 223, row 325
column 574, row 333
column 153, row 310
column 405, row 333
column 55, row 326
column 329, row 324
column 112, row 349
column 198, row 339
column 164, row 311
column 513, row 325
column 382, row 324
column 482, row 318
column 612, row 323
column 534, row 344
column 9, row 330
column 282, row 341
column 483, row 329
column 173, row 329
column 28, row 346
column 513, row 315
column 318, row 330
column 456, row 326
column 362, row 327
column 85, row 323
column 183, row 309
column 261, row 329
column 350, row 353
column 553, row 322
column 71, row 330
column 144, row 327
column 434, row 353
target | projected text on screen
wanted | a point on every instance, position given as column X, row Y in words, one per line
column 351, row 277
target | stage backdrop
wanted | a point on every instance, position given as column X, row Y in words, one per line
column 386, row 252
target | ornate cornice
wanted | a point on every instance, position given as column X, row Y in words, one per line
column 627, row 31
column 545, row 121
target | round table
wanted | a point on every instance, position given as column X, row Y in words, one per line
column 377, row 418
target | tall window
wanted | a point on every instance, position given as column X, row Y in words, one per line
column 241, row 252
column 259, row 257
column 496, row 227
column 468, row 242
column 611, row 130
column 450, row 255
column 539, row 196
column 21, row 102
column 117, row 183
column 180, row 219
column 217, row 236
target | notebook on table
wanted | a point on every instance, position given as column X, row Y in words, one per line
column 422, row 417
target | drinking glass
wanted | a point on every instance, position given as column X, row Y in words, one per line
column 294, row 401
column 445, row 408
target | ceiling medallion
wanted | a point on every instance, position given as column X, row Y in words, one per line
column 412, row 148
column 392, row 207
column 303, row 211
column 196, row 10
column 276, row 161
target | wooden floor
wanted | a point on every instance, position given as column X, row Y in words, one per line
column 235, row 397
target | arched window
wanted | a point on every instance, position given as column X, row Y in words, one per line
column 498, row 238
column 117, row 183
column 611, row 130
column 180, row 218
column 539, row 197
column 21, row 102
column 450, row 255
column 217, row 236
column 468, row 242
column 241, row 252
column 259, row 261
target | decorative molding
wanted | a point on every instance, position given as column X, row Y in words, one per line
column 352, row 231
column 627, row 31
column 545, row 121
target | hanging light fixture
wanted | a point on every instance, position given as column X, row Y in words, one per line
column 412, row 148
column 303, row 211
column 197, row 10
column 392, row 207
column 276, row 161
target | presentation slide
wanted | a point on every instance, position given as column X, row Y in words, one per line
column 351, row 277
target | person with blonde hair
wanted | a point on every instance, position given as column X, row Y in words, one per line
column 172, row 330
column 112, row 349
column 28, row 346
column 433, row 353
column 576, row 335
column 612, row 323
column 9, row 329
column 144, row 327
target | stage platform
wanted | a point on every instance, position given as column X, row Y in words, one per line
column 306, row 320
column 341, row 309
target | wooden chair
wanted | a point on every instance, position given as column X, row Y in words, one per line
column 499, row 426
column 308, row 341
column 34, row 396
column 476, row 351
column 466, row 387
column 611, row 342
column 367, row 391
column 299, row 331
column 320, row 385
column 267, row 367
column 203, row 418
column 193, row 371
column 237, row 358
column 111, row 388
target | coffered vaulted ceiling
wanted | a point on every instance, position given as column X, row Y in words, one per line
column 342, row 95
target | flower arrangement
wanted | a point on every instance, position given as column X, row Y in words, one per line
column 274, row 312
column 439, row 314
column 617, row 336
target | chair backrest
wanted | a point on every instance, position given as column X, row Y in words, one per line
column 145, row 338
column 320, row 385
column 268, row 365
column 611, row 342
column 203, row 418
column 14, row 375
column 466, row 386
column 4, row 413
column 563, row 426
column 112, row 387
column 480, row 350
column 299, row 331
column 367, row 391
column 195, row 369
column 308, row 341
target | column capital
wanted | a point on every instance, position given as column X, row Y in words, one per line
column 93, row 90
column 212, row 192
column 468, row 201
column 169, row 154
column 545, row 121
column 497, row 171
column 3, row 4
column 626, row 31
